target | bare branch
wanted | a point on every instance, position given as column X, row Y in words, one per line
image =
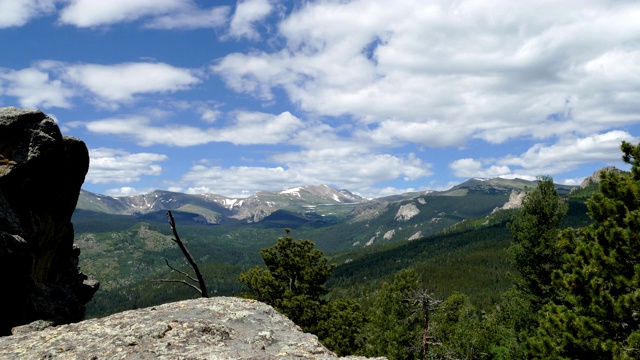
column 180, row 271
column 422, row 301
column 180, row 281
column 202, row 287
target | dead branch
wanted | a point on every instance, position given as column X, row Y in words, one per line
column 181, row 281
column 202, row 289
column 422, row 300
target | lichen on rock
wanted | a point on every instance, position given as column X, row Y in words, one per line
column 204, row 328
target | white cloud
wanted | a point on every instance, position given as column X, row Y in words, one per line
column 191, row 18
column 118, row 166
column 90, row 13
column 114, row 84
column 441, row 73
column 127, row 191
column 247, row 13
column 34, row 88
column 52, row 84
column 541, row 159
column 158, row 14
column 474, row 168
column 246, row 128
column 15, row 13
column 259, row 128
column 209, row 115
column 569, row 153
column 571, row 182
column 358, row 172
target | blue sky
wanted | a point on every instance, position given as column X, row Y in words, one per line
column 236, row 97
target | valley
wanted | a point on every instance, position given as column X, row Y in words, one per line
column 456, row 238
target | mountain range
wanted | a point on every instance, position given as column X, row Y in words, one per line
column 214, row 209
column 311, row 201
column 124, row 240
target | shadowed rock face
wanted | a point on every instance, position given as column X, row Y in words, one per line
column 41, row 172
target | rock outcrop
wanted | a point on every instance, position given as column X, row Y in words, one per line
column 406, row 212
column 595, row 177
column 213, row 328
column 41, row 172
column 514, row 202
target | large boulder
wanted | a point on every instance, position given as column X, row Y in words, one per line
column 213, row 328
column 41, row 172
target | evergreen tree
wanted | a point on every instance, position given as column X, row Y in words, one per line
column 341, row 326
column 534, row 250
column 391, row 330
column 598, row 316
column 293, row 281
column 457, row 326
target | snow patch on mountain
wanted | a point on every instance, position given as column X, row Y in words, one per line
column 293, row 191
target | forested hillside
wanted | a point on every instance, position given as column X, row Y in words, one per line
column 485, row 280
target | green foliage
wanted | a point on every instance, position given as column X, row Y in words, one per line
column 391, row 330
column 597, row 316
column 457, row 326
column 534, row 249
column 471, row 259
column 293, row 283
column 340, row 326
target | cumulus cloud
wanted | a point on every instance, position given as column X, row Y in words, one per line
column 113, row 84
column 89, row 13
column 15, row 13
column 474, row 168
column 34, row 88
column 247, row 13
column 569, row 153
column 158, row 14
column 108, row 166
column 358, row 172
column 443, row 73
column 53, row 84
column 127, row 191
column 246, row 128
column 543, row 159
column 191, row 18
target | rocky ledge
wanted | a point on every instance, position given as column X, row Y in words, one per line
column 214, row 328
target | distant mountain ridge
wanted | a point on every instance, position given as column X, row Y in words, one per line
column 213, row 208
column 310, row 203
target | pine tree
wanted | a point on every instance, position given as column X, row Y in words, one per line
column 597, row 315
column 534, row 249
column 293, row 281
column 391, row 330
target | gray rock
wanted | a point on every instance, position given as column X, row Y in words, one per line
column 41, row 172
column 595, row 177
column 406, row 212
column 37, row 325
column 213, row 328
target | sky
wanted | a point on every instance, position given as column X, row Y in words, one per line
column 376, row 97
